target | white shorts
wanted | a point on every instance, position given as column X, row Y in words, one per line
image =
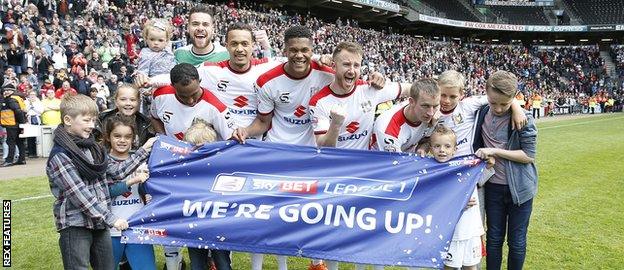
column 464, row 253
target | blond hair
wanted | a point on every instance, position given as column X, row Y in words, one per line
column 441, row 130
column 351, row 47
column 452, row 79
column 426, row 86
column 127, row 86
column 503, row 82
column 200, row 132
column 75, row 105
column 160, row 24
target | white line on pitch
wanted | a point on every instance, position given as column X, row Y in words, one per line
column 31, row 198
column 581, row 123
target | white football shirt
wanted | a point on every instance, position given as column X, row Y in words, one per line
column 178, row 117
column 394, row 133
column 235, row 89
column 461, row 120
column 288, row 99
column 360, row 106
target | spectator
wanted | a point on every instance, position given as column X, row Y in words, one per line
column 51, row 109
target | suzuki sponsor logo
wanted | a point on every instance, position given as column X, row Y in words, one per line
column 353, row 127
column 300, row 111
column 240, row 101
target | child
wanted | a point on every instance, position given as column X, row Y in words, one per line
column 199, row 133
column 509, row 193
column 119, row 135
column 465, row 249
column 126, row 103
column 157, row 58
column 77, row 170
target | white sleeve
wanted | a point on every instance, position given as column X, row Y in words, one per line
column 319, row 118
column 266, row 104
column 386, row 142
column 154, row 108
column 391, row 91
column 474, row 103
column 223, row 123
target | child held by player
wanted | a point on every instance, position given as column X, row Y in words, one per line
column 466, row 246
column 157, row 58
column 125, row 195
column 77, row 170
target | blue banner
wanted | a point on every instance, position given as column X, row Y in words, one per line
column 345, row 205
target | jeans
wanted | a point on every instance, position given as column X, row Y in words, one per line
column 199, row 259
column 505, row 216
column 81, row 247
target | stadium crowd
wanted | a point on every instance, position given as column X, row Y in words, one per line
column 91, row 39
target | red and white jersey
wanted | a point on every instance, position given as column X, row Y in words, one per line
column 360, row 106
column 394, row 133
column 235, row 89
column 178, row 117
column 461, row 120
column 288, row 98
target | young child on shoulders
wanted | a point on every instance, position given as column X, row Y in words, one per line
column 465, row 250
column 157, row 58
column 126, row 195
column 77, row 170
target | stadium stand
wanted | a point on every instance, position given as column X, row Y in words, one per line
column 598, row 11
column 521, row 15
column 109, row 30
column 451, row 9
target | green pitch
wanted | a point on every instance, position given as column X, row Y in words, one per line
column 577, row 221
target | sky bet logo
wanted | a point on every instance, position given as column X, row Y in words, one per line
column 241, row 183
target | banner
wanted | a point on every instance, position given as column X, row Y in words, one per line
column 504, row 27
column 385, row 5
column 346, row 205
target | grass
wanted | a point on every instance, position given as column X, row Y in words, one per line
column 576, row 221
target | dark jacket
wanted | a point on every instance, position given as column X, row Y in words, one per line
column 521, row 177
column 143, row 127
column 19, row 116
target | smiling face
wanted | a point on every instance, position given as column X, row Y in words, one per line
column 127, row 100
column 299, row 54
column 121, row 140
column 200, row 29
column 81, row 125
column 442, row 146
column 240, row 47
column 347, row 69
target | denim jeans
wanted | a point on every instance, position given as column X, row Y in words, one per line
column 504, row 216
column 199, row 259
column 81, row 247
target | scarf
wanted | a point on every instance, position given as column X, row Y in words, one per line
column 88, row 170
